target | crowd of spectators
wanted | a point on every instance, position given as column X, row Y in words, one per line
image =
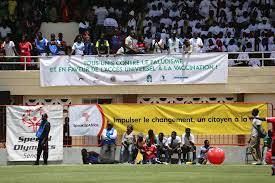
column 138, row 26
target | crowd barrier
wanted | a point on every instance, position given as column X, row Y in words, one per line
column 264, row 58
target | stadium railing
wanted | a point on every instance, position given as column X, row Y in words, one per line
column 13, row 62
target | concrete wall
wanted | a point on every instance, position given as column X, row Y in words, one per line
column 233, row 155
column 69, row 30
column 241, row 80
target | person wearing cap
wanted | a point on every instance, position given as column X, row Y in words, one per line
column 43, row 136
column 108, row 140
column 188, row 145
column 174, row 44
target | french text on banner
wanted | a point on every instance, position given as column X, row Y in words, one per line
column 134, row 70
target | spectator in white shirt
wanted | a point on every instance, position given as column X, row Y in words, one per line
column 83, row 26
column 9, row 47
column 167, row 4
column 146, row 21
column 166, row 20
column 131, row 43
column 264, row 25
column 222, row 17
column 240, row 10
column 273, row 51
column 186, row 47
column 148, row 39
column 158, row 44
column 160, row 9
column 173, row 144
column 215, row 29
column 204, row 8
column 190, row 3
column 164, row 36
column 188, row 145
column 4, row 30
column 196, row 43
column 243, row 19
column 174, row 12
column 253, row 26
column 78, row 47
column 101, row 13
column 132, row 23
column 151, row 28
column 174, row 44
column 154, row 11
column 264, row 46
column 110, row 22
column 211, row 46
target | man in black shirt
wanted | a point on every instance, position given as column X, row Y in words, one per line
column 42, row 134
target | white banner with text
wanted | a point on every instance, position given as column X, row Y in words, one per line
column 86, row 120
column 22, row 124
column 134, row 70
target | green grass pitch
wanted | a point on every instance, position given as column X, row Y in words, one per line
column 136, row 173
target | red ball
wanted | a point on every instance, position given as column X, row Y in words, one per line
column 216, row 156
column 268, row 157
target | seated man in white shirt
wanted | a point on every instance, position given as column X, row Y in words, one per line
column 188, row 146
column 173, row 144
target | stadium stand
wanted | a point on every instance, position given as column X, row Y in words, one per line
column 233, row 26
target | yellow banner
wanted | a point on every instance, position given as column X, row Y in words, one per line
column 204, row 119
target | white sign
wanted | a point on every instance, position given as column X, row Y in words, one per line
column 22, row 124
column 134, row 70
column 86, row 120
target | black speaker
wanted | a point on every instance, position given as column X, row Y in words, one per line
column 5, row 98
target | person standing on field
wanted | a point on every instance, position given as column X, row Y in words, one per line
column 43, row 136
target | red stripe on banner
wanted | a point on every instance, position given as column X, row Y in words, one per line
column 103, row 119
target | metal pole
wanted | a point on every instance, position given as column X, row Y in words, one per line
column 25, row 65
column 262, row 59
